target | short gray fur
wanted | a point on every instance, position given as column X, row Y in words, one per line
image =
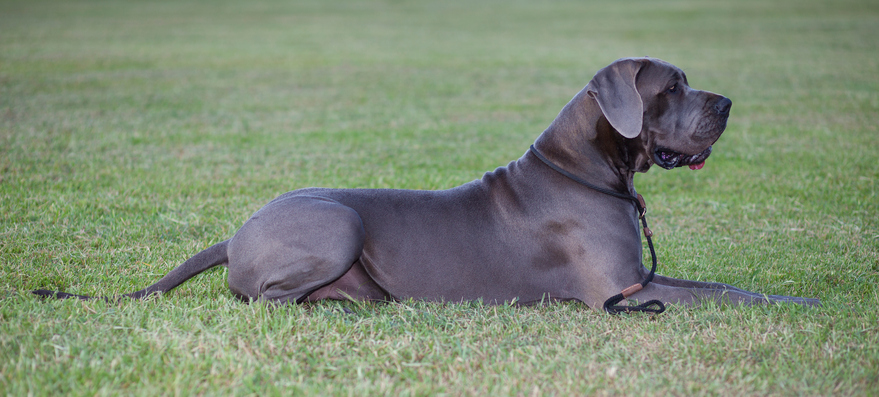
column 523, row 232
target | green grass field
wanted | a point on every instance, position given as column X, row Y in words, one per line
column 134, row 134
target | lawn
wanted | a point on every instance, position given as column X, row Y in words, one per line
column 134, row 134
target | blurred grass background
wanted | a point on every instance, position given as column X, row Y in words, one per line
column 133, row 134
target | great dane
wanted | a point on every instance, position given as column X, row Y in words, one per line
column 526, row 232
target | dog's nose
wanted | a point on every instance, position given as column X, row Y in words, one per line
column 722, row 106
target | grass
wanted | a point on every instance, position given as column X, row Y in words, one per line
column 133, row 134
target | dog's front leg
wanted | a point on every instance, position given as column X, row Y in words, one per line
column 672, row 290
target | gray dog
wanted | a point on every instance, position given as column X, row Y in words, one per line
column 559, row 223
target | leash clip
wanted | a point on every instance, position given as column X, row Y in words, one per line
column 643, row 206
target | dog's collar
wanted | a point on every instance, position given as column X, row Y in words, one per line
column 638, row 200
column 610, row 305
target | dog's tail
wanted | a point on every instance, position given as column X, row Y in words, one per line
column 215, row 255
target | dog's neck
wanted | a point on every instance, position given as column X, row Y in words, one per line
column 582, row 141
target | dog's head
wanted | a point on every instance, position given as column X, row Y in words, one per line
column 649, row 101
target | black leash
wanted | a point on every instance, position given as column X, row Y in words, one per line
column 611, row 305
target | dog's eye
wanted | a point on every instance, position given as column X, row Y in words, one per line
column 673, row 89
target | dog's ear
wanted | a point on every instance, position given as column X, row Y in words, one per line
column 614, row 89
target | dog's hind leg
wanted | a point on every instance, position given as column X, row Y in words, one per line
column 293, row 246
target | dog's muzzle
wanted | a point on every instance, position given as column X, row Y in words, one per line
column 669, row 159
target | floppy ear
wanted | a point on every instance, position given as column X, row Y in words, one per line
column 614, row 89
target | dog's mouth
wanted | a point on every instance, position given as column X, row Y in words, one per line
column 669, row 159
